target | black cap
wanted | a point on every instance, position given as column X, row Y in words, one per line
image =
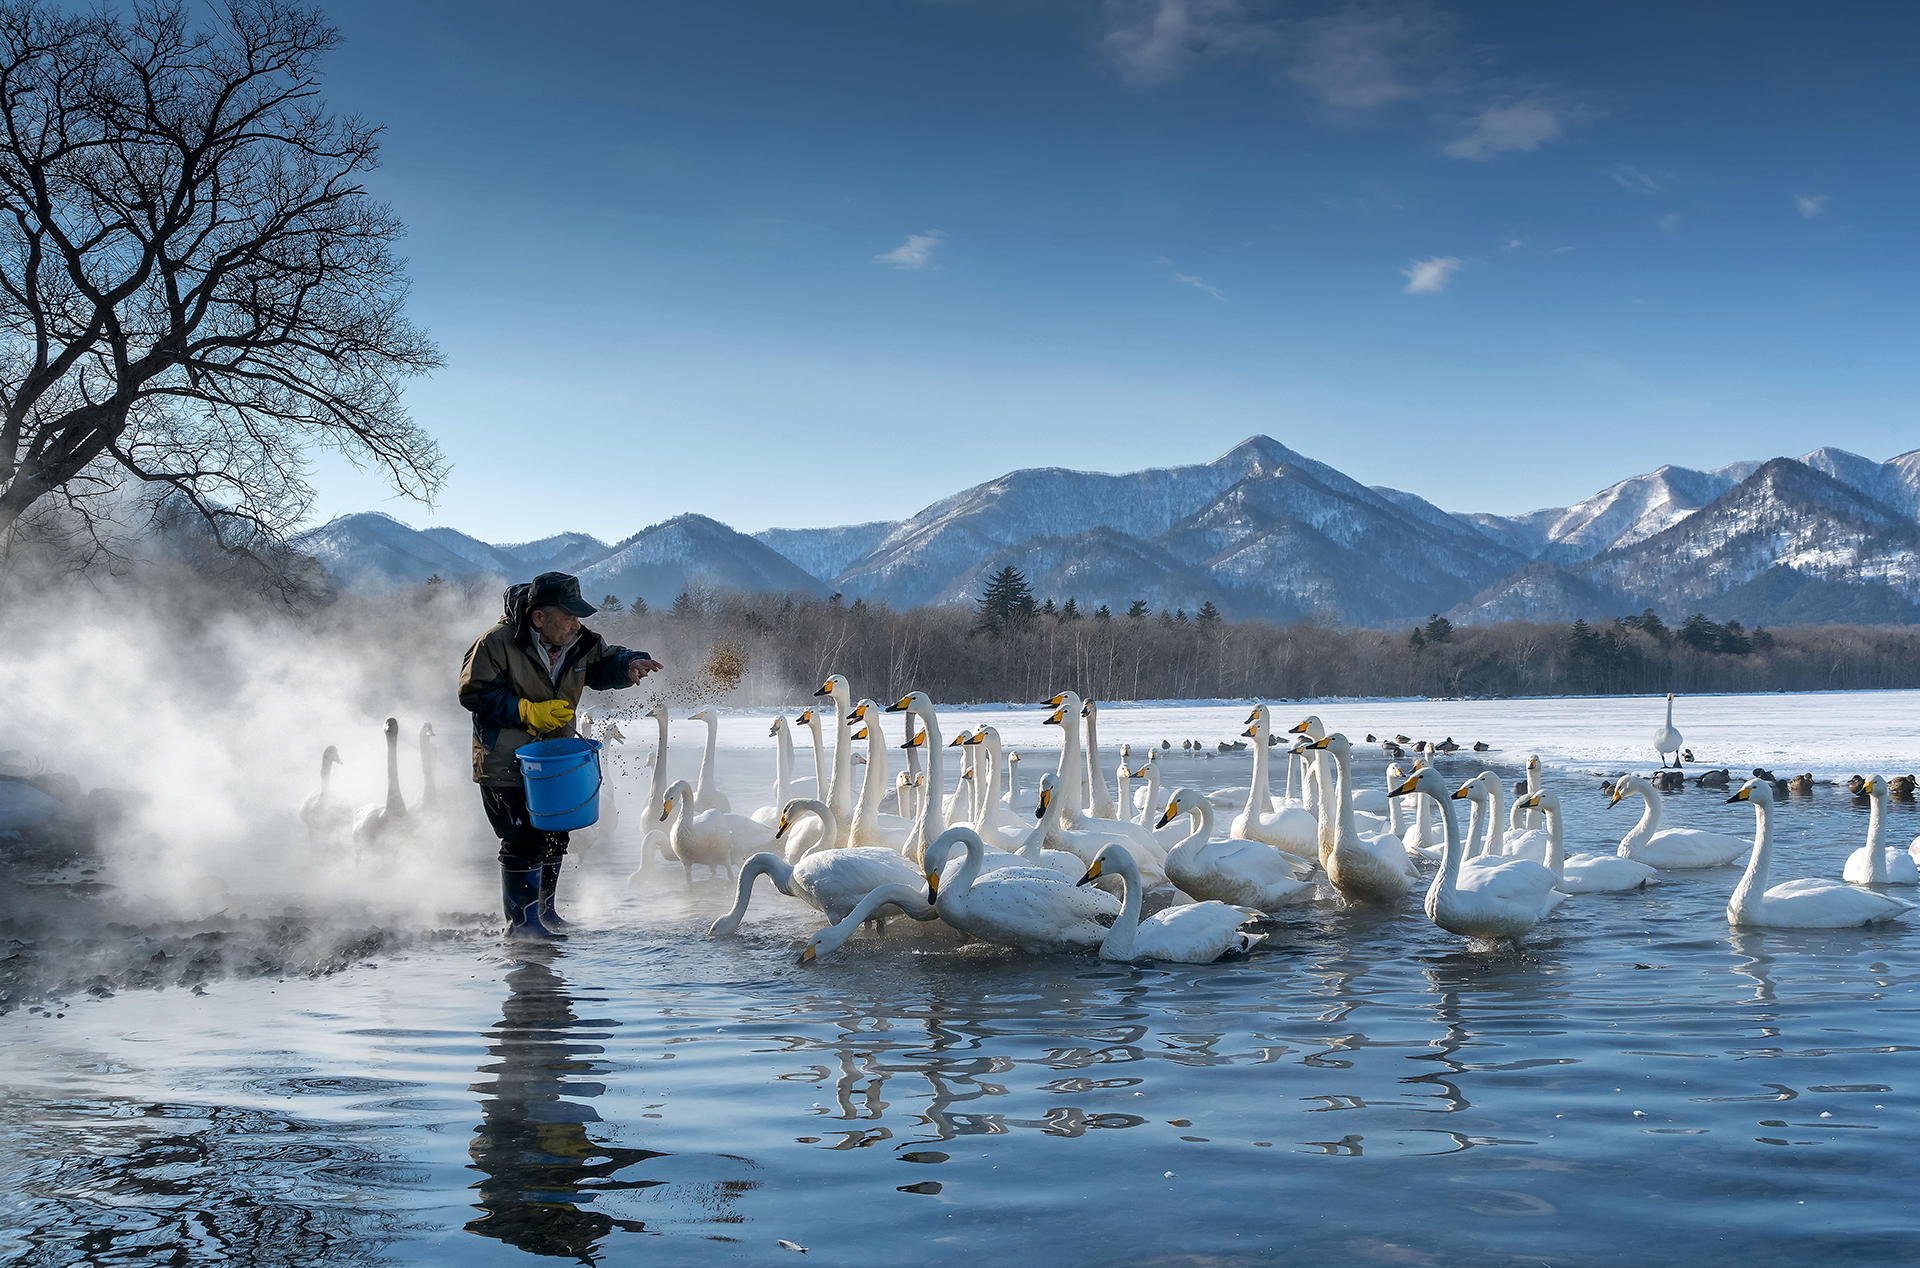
column 558, row 590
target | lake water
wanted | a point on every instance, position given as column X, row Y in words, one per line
column 1638, row 1083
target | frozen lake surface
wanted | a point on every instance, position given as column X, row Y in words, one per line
column 1364, row 1088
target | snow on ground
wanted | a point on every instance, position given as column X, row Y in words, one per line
column 1831, row 734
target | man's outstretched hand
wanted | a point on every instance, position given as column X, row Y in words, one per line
column 640, row 667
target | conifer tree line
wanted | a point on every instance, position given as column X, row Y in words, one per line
column 1011, row 646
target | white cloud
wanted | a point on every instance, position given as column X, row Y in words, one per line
column 1188, row 279
column 1811, row 205
column 1430, row 277
column 1670, row 222
column 1629, row 177
column 1365, row 57
column 1523, row 125
column 1513, row 244
column 915, row 253
column 1153, row 41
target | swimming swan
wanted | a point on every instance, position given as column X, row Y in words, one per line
column 870, row 827
column 1292, row 829
column 1372, row 869
column 1671, row 848
column 1484, row 898
column 385, row 827
column 830, row 881
column 710, row 837
column 839, row 795
column 1011, row 910
column 707, row 795
column 1803, row 904
column 1873, row 863
column 325, row 814
column 1236, row 871
column 906, row 899
column 1194, row 933
column 1583, row 873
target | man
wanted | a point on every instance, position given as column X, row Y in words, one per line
column 521, row 681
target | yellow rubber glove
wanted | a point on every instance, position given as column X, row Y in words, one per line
column 545, row 715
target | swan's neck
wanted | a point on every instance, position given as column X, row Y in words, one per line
column 1258, row 802
column 750, row 871
column 1096, row 778
column 840, row 797
column 819, row 754
column 1343, row 801
column 1514, row 812
column 1067, row 783
column 1119, row 939
column 1753, row 885
column 969, row 783
column 913, row 754
column 969, row 870
column 1152, row 807
column 1420, row 819
column 1877, row 827
column 989, row 795
column 933, row 817
column 1013, row 784
column 1396, row 817
column 824, row 814
column 395, row 804
column 1446, row 881
column 1669, row 713
column 326, row 777
column 1293, row 782
column 1472, row 846
column 1328, row 817
column 783, row 770
column 1556, row 844
column 657, row 785
column 877, row 778
column 1121, row 788
column 1649, row 818
column 1496, row 829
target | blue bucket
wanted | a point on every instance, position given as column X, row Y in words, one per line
column 563, row 783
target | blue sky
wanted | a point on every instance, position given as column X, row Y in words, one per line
column 813, row 263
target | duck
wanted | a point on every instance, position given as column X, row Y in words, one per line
column 830, row 881
column 1671, row 848
column 839, row 794
column 1901, row 786
column 1370, row 869
column 1448, row 746
column 1193, row 933
column 1488, row 899
column 1801, row 785
column 1236, row 871
column 325, row 813
column 872, row 829
column 1713, row 778
column 909, row 900
column 1583, row 873
column 384, row 827
column 1481, row 746
column 1667, row 740
column 1293, row 830
column 1005, row 907
column 1686, row 755
column 714, row 838
column 1873, row 863
column 1801, row 904
column 1402, row 739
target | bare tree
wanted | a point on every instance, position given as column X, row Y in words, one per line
column 195, row 287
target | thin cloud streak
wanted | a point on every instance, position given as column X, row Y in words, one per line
column 915, row 254
column 1523, row 126
column 1811, row 205
column 1430, row 277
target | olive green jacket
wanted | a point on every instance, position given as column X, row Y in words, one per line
column 502, row 668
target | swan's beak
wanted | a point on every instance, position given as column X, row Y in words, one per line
column 1253, row 717
column 1093, row 874
column 1320, row 743
column 918, row 741
column 1252, row 731
column 1040, row 808
column 978, row 737
column 782, row 829
column 1532, row 803
column 804, row 718
column 1166, row 816
column 1460, row 792
column 861, row 734
column 1054, row 703
column 825, row 690
column 1139, row 774
column 775, row 730
column 1056, row 719
column 806, row 954
column 1298, row 728
column 1407, row 787
column 666, row 807
column 901, row 705
column 1742, row 795
column 1615, row 799
column 957, row 740
column 933, row 887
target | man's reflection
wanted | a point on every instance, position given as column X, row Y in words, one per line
column 540, row 1170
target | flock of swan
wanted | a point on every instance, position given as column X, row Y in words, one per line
column 1079, row 868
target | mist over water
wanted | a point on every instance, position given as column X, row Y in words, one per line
column 1364, row 1087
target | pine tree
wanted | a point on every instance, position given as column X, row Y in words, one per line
column 1071, row 612
column 611, row 605
column 1415, row 639
column 1047, row 608
column 1439, row 629
column 685, row 607
column 639, row 606
column 1138, row 610
column 1209, row 615
column 1180, row 616
column 1104, row 614
column 1006, row 602
column 435, row 581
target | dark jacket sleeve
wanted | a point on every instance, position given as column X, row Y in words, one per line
column 483, row 690
column 609, row 673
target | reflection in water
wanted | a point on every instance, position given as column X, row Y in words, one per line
column 541, row 1170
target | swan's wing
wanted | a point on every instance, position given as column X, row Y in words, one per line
column 747, row 834
column 1247, row 860
column 1034, row 908
column 1521, row 881
column 857, row 870
column 1528, row 843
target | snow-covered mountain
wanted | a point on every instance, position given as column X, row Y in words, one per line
column 1265, row 531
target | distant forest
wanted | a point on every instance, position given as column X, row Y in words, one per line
column 1010, row 646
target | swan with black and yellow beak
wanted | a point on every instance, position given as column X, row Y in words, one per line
column 839, row 796
column 932, row 821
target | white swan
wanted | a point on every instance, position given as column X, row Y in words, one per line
column 324, row 813
column 1069, row 781
column 782, row 774
column 1102, row 806
column 932, row 821
column 1016, row 799
column 810, row 718
column 996, row 824
column 1534, row 785
column 707, row 794
column 1086, row 842
column 713, row 838
column 1148, row 798
column 1238, row 871
column 1373, row 869
column 1193, row 933
column 960, row 802
column 830, row 881
column 1423, row 836
column 906, row 899
column 839, row 795
column 1123, row 785
column 1667, row 740
column 1803, row 904
column 1873, row 863
column 1583, row 873
column 1485, row 898
column 430, row 786
column 654, row 841
column 1671, row 848
column 1009, row 909
column 1292, row 830
column 870, row 827
column 385, row 827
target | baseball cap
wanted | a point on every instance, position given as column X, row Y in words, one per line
column 558, row 590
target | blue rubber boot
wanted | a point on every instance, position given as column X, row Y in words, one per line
column 549, row 881
column 520, row 895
